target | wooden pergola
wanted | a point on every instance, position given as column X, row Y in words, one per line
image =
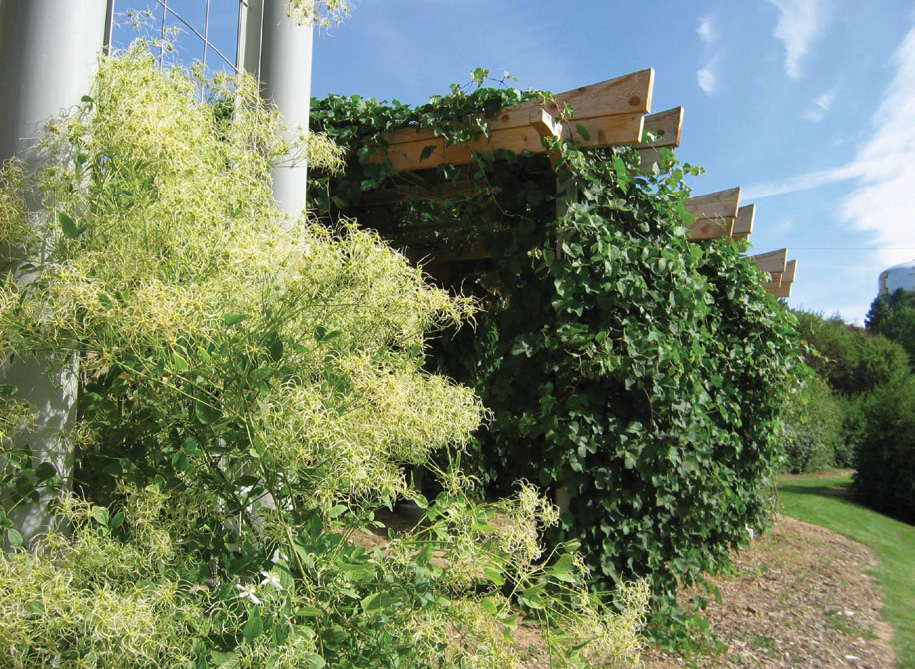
column 610, row 113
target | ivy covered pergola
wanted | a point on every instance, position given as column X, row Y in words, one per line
column 634, row 359
column 611, row 113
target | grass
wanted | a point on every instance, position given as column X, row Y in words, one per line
column 825, row 501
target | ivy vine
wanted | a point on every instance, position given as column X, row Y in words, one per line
column 632, row 373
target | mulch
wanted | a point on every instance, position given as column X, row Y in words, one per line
column 800, row 596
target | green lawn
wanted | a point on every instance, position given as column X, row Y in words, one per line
column 823, row 500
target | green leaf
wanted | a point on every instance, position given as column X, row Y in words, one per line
column 562, row 569
column 232, row 319
column 489, row 606
column 45, row 471
column 583, row 131
column 69, row 227
column 309, row 612
column 14, row 537
column 494, row 574
column 206, row 413
column 254, row 627
column 180, row 461
column 531, row 597
column 24, row 485
column 180, row 363
column 262, row 373
column 316, row 662
column 426, row 152
column 116, row 521
column 274, row 346
column 375, row 602
column 100, row 515
column 337, row 510
column 223, row 658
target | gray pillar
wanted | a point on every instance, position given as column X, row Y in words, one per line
column 48, row 56
column 278, row 53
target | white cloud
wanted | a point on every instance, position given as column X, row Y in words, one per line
column 707, row 31
column 707, row 75
column 814, row 115
column 799, row 22
column 880, row 200
column 821, row 106
column 707, row 78
column 802, row 182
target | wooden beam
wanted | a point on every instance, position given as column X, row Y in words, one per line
column 786, row 278
column 710, row 228
column 782, row 291
column 773, row 262
column 628, row 94
column 775, row 280
column 723, row 204
column 743, row 224
column 545, row 123
column 666, row 126
column 610, row 112
column 602, row 131
column 620, row 95
column 411, row 194
column 790, row 271
column 715, row 214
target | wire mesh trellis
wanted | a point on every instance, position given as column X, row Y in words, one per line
column 205, row 31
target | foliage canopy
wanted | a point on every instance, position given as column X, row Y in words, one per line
column 639, row 374
column 893, row 316
column 252, row 388
column 872, row 379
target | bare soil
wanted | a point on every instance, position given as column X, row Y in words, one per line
column 800, row 596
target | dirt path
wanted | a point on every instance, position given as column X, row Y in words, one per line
column 801, row 596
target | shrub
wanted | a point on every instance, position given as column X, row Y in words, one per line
column 871, row 378
column 854, row 427
column 639, row 374
column 851, row 360
column 251, row 390
column 814, row 437
column 885, row 459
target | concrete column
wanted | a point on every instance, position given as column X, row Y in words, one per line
column 48, row 56
column 278, row 52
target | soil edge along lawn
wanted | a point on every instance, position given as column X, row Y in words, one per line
column 826, row 501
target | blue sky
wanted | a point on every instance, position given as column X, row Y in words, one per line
column 808, row 105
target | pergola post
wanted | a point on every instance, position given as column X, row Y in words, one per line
column 277, row 51
column 48, row 55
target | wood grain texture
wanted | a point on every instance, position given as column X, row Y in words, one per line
column 773, row 262
column 608, row 113
column 743, row 224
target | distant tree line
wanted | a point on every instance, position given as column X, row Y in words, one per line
column 857, row 408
